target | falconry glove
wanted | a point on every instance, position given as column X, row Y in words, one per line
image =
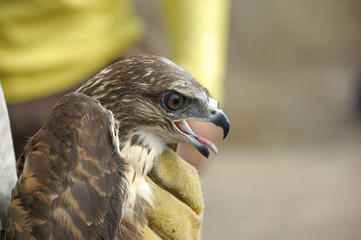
column 178, row 204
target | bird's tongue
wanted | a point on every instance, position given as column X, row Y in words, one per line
column 183, row 126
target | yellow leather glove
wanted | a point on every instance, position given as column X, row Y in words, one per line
column 178, row 203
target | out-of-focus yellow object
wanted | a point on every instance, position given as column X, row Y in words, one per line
column 47, row 47
column 198, row 34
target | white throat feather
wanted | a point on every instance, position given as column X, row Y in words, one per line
column 140, row 151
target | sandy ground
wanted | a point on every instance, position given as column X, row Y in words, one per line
column 301, row 193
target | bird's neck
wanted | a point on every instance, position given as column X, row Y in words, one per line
column 141, row 150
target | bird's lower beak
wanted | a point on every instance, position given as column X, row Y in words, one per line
column 217, row 117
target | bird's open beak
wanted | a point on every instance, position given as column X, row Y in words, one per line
column 217, row 117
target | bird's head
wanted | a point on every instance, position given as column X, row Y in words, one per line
column 151, row 94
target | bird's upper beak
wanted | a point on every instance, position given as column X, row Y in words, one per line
column 215, row 116
column 218, row 117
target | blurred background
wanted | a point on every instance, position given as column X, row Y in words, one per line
column 290, row 168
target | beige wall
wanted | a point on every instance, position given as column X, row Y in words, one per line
column 293, row 66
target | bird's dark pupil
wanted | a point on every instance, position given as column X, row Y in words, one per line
column 176, row 100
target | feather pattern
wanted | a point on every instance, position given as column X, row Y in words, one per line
column 82, row 176
column 72, row 179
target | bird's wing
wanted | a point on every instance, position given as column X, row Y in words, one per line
column 72, row 184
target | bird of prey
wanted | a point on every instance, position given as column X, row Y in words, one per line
column 82, row 175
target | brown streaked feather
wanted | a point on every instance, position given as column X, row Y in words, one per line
column 131, row 89
column 82, row 176
column 72, row 184
column 131, row 228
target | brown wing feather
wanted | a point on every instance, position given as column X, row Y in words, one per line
column 71, row 185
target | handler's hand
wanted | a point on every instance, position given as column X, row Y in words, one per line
column 178, row 204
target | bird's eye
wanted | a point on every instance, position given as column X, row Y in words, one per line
column 174, row 101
